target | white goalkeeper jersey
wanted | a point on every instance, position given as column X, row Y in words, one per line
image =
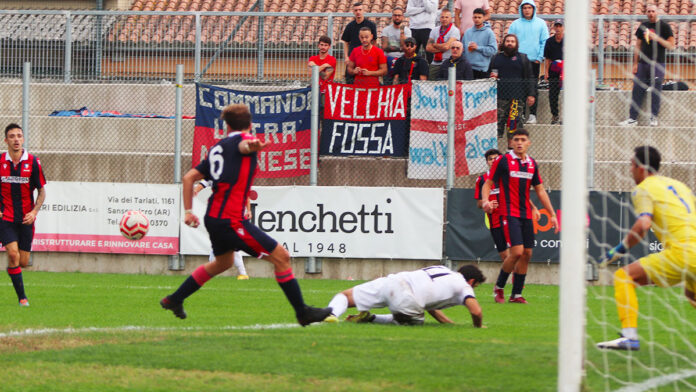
column 437, row 287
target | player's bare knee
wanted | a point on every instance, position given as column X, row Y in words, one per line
column 13, row 257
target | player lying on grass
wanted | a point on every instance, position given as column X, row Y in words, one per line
column 409, row 294
column 231, row 165
column 667, row 206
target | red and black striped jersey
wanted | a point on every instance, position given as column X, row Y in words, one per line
column 231, row 174
column 515, row 177
column 493, row 218
column 17, row 184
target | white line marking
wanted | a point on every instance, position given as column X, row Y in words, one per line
column 49, row 331
column 652, row 383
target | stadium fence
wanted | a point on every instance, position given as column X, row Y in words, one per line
column 255, row 47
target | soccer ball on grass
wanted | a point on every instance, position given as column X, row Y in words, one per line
column 134, row 225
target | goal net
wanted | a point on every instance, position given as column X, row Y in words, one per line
column 638, row 104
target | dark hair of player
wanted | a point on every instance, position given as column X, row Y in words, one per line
column 480, row 11
column 471, row 271
column 325, row 39
column 648, row 157
column 520, row 131
column 445, row 10
column 366, row 29
column 357, row 4
column 11, row 127
column 492, row 151
column 237, row 116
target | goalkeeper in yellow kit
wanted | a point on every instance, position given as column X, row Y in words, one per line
column 668, row 206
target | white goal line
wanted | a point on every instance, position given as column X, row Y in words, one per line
column 50, row 331
column 655, row 382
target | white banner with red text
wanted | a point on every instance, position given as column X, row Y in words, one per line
column 84, row 217
column 343, row 222
column 475, row 128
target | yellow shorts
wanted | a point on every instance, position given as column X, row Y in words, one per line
column 671, row 267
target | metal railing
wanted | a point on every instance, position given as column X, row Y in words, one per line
column 266, row 47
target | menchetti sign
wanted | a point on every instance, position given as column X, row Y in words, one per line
column 344, row 222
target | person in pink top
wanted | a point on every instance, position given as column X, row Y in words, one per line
column 367, row 62
column 463, row 9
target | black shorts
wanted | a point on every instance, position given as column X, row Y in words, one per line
column 518, row 231
column 17, row 232
column 226, row 236
column 499, row 239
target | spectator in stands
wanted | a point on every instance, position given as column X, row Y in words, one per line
column 532, row 33
column 410, row 66
column 351, row 34
column 652, row 38
column 513, row 71
column 440, row 41
column 553, row 68
column 421, row 15
column 325, row 62
column 459, row 62
column 463, row 10
column 367, row 62
column 480, row 44
column 393, row 37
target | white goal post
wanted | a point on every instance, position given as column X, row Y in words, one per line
column 571, row 340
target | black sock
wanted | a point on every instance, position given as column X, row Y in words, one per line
column 185, row 290
column 502, row 279
column 292, row 291
column 518, row 284
column 17, row 281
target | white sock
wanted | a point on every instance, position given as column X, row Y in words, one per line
column 239, row 263
column 384, row 319
column 338, row 304
column 630, row 333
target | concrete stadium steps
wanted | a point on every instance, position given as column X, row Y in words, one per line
column 614, row 143
column 612, row 106
column 109, row 167
column 676, row 109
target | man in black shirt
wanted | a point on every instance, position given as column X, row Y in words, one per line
column 652, row 39
column 553, row 67
column 410, row 66
column 516, row 85
column 459, row 62
column 351, row 34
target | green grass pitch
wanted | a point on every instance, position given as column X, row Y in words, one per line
column 91, row 332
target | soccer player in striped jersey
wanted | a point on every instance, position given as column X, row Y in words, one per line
column 494, row 219
column 668, row 207
column 238, row 259
column 515, row 173
column 20, row 175
column 231, row 165
column 408, row 295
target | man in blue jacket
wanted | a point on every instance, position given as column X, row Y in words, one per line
column 480, row 44
column 532, row 34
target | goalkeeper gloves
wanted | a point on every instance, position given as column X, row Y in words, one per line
column 615, row 253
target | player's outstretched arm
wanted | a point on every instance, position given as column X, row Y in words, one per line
column 633, row 237
column 475, row 309
column 187, row 182
column 249, row 146
column 441, row 317
column 546, row 202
